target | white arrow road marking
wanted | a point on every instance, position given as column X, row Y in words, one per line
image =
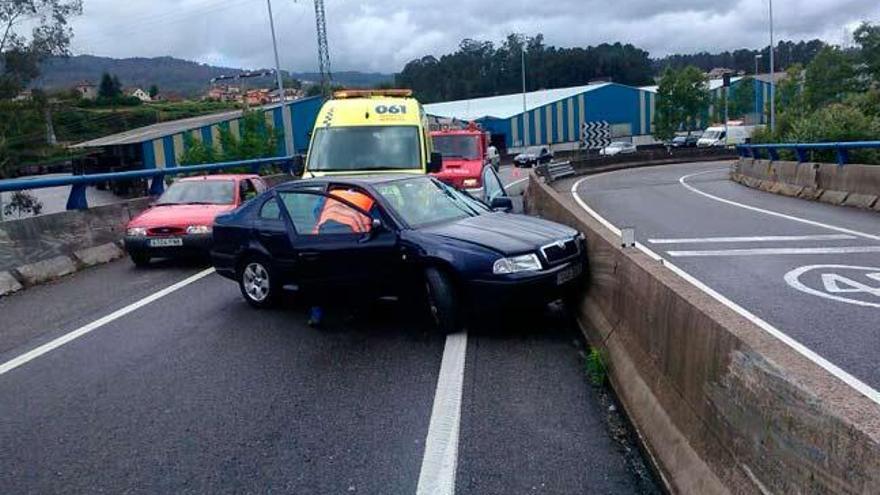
column 836, row 283
column 100, row 322
column 437, row 476
column 792, row 278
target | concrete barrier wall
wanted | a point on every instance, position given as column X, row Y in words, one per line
column 850, row 185
column 721, row 405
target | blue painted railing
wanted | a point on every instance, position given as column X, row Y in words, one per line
column 841, row 149
column 77, row 199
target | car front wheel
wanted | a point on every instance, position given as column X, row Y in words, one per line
column 139, row 259
column 256, row 279
column 441, row 301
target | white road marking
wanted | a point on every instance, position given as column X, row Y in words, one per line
column 516, row 182
column 792, row 278
column 766, row 238
column 772, row 251
column 683, row 181
column 828, row 366
column 79, row 332
column 440, row 461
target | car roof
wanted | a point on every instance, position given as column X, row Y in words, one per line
column 218, row 177
column 355, row 180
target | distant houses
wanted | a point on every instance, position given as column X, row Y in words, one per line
column 86, row 90
column 251, row 97
column 139, row 94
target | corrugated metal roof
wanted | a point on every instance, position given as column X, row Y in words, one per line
column 504, row 106
column 162, row 129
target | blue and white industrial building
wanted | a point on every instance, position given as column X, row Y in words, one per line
column 554, row 117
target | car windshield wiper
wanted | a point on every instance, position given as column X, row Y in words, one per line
column 463, row 206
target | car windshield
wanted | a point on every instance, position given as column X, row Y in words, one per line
column 422, row 201
column 712, row 134
column 619, row 145
column 457, row 146
column 358, row 148
column 206, row 192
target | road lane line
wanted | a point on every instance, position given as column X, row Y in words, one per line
column 767, row 238
column 440, row 461
column 858, row 385
column 683, row 181
column 774, row 251
column 79, row 332
column 516, row 182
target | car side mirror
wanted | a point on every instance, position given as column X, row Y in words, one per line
column 436, row 163
column 299, row 165
column 502, row 203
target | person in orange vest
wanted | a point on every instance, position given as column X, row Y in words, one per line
column 336, row 217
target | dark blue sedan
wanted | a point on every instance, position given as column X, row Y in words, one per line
column 405, row 235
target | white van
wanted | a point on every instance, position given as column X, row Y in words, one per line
column 731, row 136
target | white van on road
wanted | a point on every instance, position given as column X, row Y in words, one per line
column 720, row 137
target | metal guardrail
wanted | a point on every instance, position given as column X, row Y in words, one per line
column 800, row 149
column 77, row 198
column 555, row 170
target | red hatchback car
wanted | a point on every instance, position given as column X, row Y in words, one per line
column 181, row 221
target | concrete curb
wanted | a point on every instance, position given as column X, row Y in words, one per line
column 97, row 255
column 9, row 284
column 850, row 185
column 722, row 405
column 46, row 270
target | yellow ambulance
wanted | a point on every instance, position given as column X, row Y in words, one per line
column 370, row 132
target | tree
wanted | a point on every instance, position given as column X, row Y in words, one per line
column 154, row 91
column 742, row 98
column 110, row 87
column 829, row 77
column 21, row 204
column 682, row 97
column 867, row 36
column 49, row 34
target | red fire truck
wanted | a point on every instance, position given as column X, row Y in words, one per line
column 465, row 154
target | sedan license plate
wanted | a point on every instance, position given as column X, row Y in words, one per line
column 166, row 242
column 568, row 274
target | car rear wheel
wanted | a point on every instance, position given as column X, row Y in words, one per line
column 257, row 282
column 140, row 260
column 441, row 301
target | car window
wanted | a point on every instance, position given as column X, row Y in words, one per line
column 199, row 192
column 314, row 214
column 247, row 191
column 270, row 210
column 423, row 201
column 492, row 184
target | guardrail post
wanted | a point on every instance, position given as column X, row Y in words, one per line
column 842, row 155
column 801, row 154
column 157, row 186
column 77, row 198
column 774, row 155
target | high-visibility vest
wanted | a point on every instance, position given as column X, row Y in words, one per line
column 342, row 213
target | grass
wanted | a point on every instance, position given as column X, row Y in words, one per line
column 595, row 366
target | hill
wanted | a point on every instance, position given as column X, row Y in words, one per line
column 168, row 73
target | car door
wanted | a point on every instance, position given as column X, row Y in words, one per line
column 492, row 185
column 270, row 231
column 338, row 256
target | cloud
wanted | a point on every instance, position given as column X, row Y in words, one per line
column 382, row 35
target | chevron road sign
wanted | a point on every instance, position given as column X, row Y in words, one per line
column 596, row 134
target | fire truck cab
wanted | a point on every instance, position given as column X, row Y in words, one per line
column 465, row 154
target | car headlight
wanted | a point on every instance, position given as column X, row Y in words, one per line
column 198, row 229
column 136, row 232
column 516, row 264
column 471, row 183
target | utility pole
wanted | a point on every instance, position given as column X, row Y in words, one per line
column 523, row 70
column 772, row 74
column 759, row 115
column 323, row 48
column 278, row 78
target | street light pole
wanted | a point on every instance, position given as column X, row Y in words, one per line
column 275, row 48
column 523, row 52
column 772, row 74
column 759, row 115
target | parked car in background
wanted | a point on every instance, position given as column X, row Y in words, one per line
column 721, row 136
column 395, row 234
column 618, row 148
column 689, row 141
column 181, row 220
column 534, row 155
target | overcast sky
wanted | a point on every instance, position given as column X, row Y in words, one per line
column 377, row 35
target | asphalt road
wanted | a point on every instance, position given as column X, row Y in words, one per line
column 196, row 392
column 808, row 269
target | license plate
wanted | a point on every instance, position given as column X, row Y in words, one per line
column 166, row 242
column 568, row 274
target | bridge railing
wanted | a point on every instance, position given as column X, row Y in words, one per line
column 77, row 198
column 800, row 150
